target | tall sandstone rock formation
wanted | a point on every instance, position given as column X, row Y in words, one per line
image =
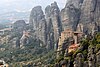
column 90, row 15
column 83, row 13
column 47, row 28
column 70, row 15
column 78, row 15
column 38, row 24
column 54, row 25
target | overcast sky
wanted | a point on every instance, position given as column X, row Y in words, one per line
column 25, row 5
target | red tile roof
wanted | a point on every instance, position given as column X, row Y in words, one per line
column 73, row 46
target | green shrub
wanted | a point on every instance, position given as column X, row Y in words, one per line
column 67, row 58
column 76, row 52
column 98, row 47
column 60, row 58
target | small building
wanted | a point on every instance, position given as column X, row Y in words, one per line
column 75, row 46
column 64, row 35
column 69, row 34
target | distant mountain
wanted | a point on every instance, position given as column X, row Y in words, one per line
column 13, row 16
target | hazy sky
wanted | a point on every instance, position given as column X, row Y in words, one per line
column 25, row 5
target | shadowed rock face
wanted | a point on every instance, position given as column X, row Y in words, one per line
column 38, row 23
column 54, row 25
column 85, row 12
column 19, row 26
column 90, row 11
column 70, row 15
column 89, row 17
column 36, row 16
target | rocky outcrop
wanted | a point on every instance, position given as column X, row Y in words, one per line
column 17, row 31
column 78, row 15
column 91, row 57
column 26, row 39
column 19, row 26
column 81, row 12
column 98, row 58
column 50, row 36
column 70, row 15
column 15, row 42
column 56, row 20
column 46, row 28
column 38, row 24
column 78, row 60
column 54, row 25
column 90, row 11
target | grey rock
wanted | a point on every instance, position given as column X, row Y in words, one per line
column 84, row 12
column 19, row 26
column 91, row 57
column 85, row 64
column 37, row 23
column 26, row 39
column 70, row 15
column 98, row 58
column 79, row 15
column 78, row 60
column 15, row 42
column 54, row 25
column 90, row 11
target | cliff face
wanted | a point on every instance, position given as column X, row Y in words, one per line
column 19, row 26
column 54, row 25
column 38, row 24
column 82, row 16
column 56, row 20
column 90, row 11
column 46, row 28
column 85, row 12
column 78, row 15
column 70, row 15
